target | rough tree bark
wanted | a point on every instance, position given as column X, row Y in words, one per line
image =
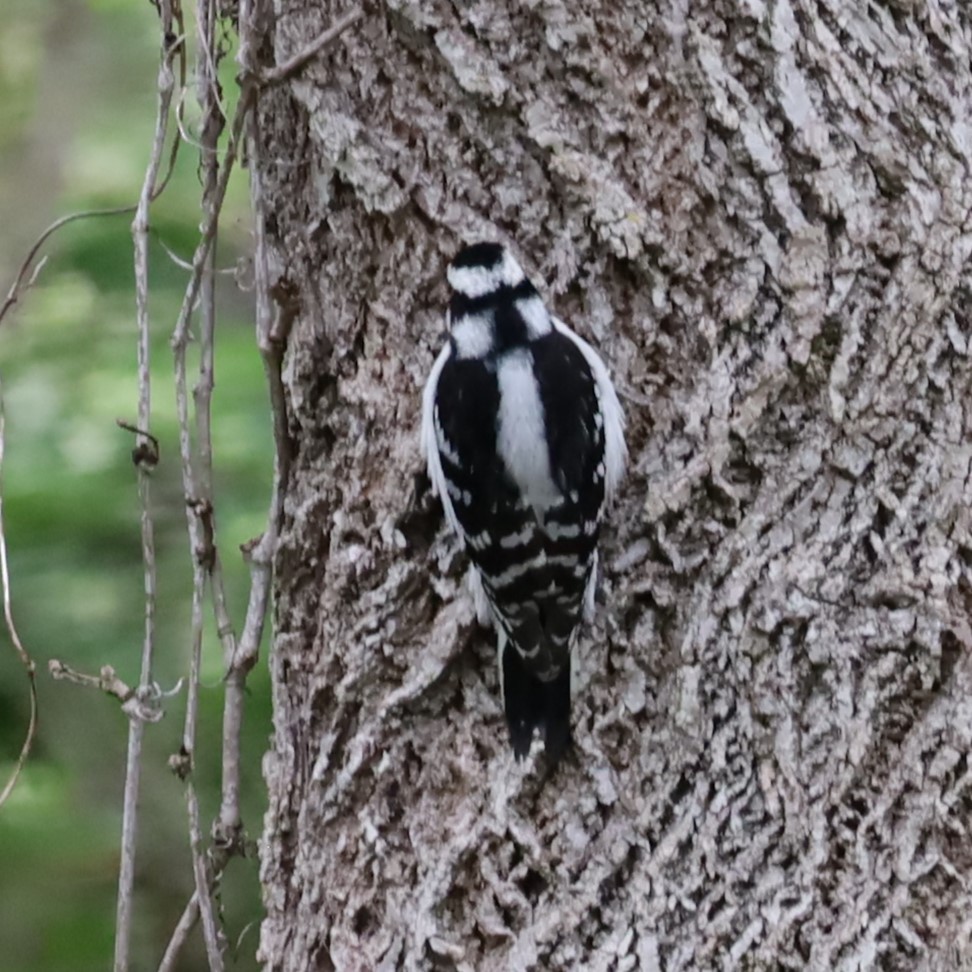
column 761, row 213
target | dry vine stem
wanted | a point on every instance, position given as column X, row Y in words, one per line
column 197, row 470
column 25, row 279
column 239, row 654
column 136, row 728
column 140, row 702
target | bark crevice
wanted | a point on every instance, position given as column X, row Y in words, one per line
column 762, row 216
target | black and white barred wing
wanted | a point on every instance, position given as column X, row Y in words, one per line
column 461, row 412
column 460, row 406
column 525, row 447
column 527, row 501
column 609, row 417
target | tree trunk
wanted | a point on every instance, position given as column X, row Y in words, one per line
column 761, row 214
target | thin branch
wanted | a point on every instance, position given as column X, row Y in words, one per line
column 180, row 934
column 186, row 265
column 208, row 233
column 138, row 702
column 197, row 475
column 200, row 866
column 22, row 653
column 106, row 680
column 25, row 279
column 199, row 513
column 272, row 335
column 126, row 875
column 281, row 72
column 26, row 276
column 147, row 452
column 243, row 657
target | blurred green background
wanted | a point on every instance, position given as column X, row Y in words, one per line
column 77, row 89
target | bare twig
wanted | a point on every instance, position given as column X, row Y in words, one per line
column 272, row 335
column 183, row 928
column 28, row 273
column 25, row 658
column 139, row 702
column 200, row 865
column 281, row 72
column 243, row 656
column 239, row 656
column 147, row 452
column 208, row 232
column 200, row 522
column 186, row 265
column 197, row 475
column 25, row 279
column 106, row 680
column 140, row 226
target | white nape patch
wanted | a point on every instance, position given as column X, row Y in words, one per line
column 477, row 281
column 535, row 315
column 615, row 451
column 512, row 540
column 522, row 441
column 473, row 334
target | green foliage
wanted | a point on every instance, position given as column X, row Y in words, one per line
column 67, row 361
column 20, row 63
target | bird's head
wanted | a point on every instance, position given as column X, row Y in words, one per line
column 482, row 269
column 493, row 307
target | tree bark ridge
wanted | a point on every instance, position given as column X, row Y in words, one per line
column 760, row 214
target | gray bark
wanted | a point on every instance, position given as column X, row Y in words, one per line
column 761, row 214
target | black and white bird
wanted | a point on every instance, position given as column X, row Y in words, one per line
column 524, row 438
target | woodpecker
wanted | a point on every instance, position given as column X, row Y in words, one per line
column 523, row 434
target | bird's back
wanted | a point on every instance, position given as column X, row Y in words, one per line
column 515, row 413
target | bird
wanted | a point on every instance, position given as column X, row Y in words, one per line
column 523, row 435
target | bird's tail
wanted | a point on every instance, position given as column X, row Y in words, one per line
column 534, row 703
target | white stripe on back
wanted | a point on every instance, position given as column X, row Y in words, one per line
column 521, row 440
